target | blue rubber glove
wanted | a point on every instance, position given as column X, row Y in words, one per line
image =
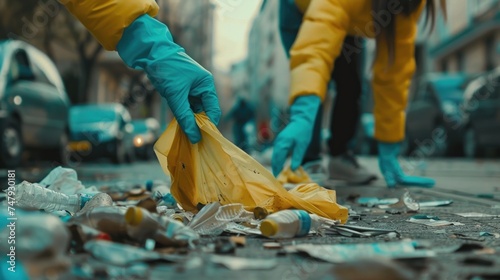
column 148, row 44
column 393, row 174
column 296, row 136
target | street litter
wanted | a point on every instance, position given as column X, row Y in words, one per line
column 299, row 176
column 357, row 231
column 476, row 215
column 33, row 195
column 138, row 224
column 64, row 180
column 406, row 202
column 240, row 241
column 224, row 247
column 213, row 218
column 484, row 233
column 349, row 252
column 122, row 254
column 241, row 229
column 373, row 201
column 235, row 263
column 215, row 170
column 272, row 245
column 40, row 244
column 465, row 237
column 293, row 223
column 432, row 221
column 438, row 203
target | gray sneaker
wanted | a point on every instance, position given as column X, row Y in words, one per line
column 347, row 168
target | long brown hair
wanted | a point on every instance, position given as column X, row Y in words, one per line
column 409, row 6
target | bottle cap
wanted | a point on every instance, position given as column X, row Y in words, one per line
column 269, row 227
column 133, row 216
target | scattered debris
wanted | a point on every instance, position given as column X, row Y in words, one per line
column 272, row 245
column 465, row 237
column 240, row 241
column 484, row 233
column 122, row 254
column 406, row 202
column 357, row 231
column 224, row 247
column 373, row 201
column 350, row 252
column 476, row 215
column 438, row 203
column 432, row 221
column 235, row 263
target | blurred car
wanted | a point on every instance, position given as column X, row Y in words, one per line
column 434, row 122
column 481, row 109
column 101, row 130
column 33, row 105
column 146, row 132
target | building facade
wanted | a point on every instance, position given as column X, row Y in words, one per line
column 469, row 40
column 267, row 67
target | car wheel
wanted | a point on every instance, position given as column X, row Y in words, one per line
column 11, row 144
column 120, row 153
column 471, row 148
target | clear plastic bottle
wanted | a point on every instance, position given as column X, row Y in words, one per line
column 110, row 220
column 290, row 223
column 33, row 195
column 142, row 225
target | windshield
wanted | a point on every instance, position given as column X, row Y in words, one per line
column 81, row 115
column 140, row 127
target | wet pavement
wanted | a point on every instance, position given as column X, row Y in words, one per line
column 474, row 186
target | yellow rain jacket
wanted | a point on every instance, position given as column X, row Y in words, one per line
column 319, row 43
column 107, row 19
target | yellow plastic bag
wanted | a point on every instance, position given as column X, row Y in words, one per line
column 216, row 170
column 299, row 176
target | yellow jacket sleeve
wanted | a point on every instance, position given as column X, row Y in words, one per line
column 391, row 83
column 318, row 44
column 106, row 19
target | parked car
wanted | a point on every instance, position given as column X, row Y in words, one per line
column 434, row 122
column 33, row 105
column 481, row 108
column 101, row 130
column 146, row 133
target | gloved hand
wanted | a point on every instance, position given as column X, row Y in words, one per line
column 147, row 44
column 390, row 168
column 296, row 136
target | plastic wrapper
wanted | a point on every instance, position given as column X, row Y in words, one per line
column 215, row 170
column 121, row 254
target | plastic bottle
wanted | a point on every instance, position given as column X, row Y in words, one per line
column 110, row 220
column 290, row 223
column 142, row 225
column 33, row 195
